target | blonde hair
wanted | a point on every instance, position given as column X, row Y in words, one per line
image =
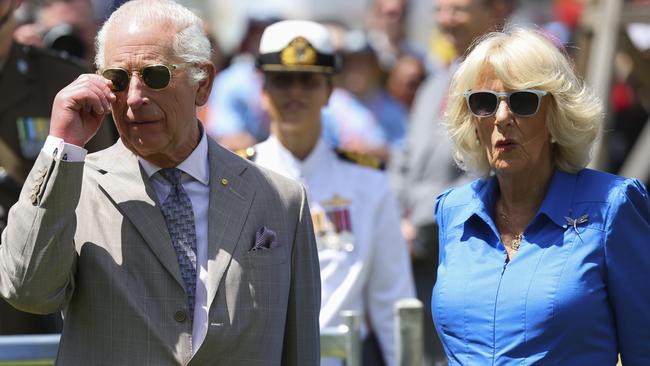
column 526, row 59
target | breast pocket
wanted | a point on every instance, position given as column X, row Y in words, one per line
column 265, row 257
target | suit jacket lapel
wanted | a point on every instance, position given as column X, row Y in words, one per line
column 230, row 201
column 128, row 187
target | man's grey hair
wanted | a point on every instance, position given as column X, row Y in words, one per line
column 190, row 43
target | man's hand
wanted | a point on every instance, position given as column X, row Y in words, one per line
column 79, row 109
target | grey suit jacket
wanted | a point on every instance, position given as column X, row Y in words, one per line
column 426, row 166
column 89, row 239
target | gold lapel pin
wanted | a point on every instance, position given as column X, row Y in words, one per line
column 224, row 181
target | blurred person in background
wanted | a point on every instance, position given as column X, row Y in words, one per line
column 405, row 78
column 30, row 78
column 545, row 260
column 236, row 118
column 363, row 257
column 386, row 28
column 68, row 26
column 426, row 166
column 363, row 76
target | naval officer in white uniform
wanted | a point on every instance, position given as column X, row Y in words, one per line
column 363, row 256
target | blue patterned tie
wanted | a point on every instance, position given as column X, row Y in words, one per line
column 179, row 217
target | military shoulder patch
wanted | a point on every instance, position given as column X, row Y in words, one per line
column 364, row 159
column 248, row 153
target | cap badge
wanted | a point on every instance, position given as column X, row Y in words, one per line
column 298, row 52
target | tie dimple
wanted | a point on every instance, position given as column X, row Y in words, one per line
column 179, row 217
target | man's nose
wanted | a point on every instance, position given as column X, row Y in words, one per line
column 136, row 96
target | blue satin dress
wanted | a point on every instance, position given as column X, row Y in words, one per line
column 576, row 293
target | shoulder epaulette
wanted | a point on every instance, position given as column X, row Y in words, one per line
column 247, row 153
column 364, row 159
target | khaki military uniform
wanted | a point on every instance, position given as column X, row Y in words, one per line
column 29, row 80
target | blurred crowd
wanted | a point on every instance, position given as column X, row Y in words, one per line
column 387, row 50
column 390, row 91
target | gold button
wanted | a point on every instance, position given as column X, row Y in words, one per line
column 224, row 181
column 180, row 316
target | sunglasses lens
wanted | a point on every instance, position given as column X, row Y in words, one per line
column 482, row 103
column 524, row 103
column 119, row 78
column 156, row 76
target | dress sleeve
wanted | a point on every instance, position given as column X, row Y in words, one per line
column 627, row 255
column 439, row 216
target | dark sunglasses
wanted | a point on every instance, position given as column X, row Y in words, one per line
column 154, row 76
column 523, row 103
column 282, row 80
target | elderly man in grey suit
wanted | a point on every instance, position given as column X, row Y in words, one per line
column 164, row 249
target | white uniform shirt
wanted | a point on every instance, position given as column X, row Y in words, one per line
column 371, row 269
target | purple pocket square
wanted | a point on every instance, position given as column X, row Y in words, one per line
column 264, row 239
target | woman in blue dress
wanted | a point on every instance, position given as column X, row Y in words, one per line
column 542, row 261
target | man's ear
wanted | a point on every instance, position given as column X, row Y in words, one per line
column 205, row 85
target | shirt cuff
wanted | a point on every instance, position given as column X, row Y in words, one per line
column 60, row 150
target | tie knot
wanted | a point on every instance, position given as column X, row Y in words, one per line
column 172, row 175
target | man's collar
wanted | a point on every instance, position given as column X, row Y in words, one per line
column 196, row 164
column 313, row 161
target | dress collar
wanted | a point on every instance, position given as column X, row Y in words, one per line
column 556, row 204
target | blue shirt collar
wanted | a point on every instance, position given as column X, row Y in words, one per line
column 556, row 204
column 559, row 198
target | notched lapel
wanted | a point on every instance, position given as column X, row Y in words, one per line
column 231, row 196
column 128, row 187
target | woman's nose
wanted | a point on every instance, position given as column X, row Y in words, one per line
column 503, row 113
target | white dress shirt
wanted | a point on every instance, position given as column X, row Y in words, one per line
column 195, row 180
column 371, row 270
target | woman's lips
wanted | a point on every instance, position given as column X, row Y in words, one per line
column 506, row 144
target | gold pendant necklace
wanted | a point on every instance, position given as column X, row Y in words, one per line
column 516, row 242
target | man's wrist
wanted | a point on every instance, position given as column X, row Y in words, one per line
column 61, row 150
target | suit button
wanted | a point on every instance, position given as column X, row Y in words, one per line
column 33, row 198
column 180, row 316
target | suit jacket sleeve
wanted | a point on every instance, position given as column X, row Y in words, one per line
column 37, row 253
column 302, row 333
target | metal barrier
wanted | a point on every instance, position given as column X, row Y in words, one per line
column 29, row 350
column 409, row 332
column 343, row 341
